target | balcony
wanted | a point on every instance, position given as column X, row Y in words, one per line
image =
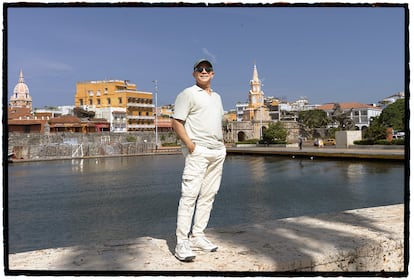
column 141, row 117
column 140, row 105
column 141, row 126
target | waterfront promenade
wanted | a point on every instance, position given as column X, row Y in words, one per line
column 359, row 152
column 361, row 240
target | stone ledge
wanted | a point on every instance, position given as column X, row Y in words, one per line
column 361, row 240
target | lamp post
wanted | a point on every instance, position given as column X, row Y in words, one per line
column 156, row 113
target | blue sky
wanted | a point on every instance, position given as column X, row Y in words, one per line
column 340, row 54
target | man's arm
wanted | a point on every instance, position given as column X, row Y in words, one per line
column 178, row 126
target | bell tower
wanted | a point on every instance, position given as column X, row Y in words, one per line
column 256, row 99
column 256, row 95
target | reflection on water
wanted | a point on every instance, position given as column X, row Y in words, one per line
column 257, row 168
column 72, row 202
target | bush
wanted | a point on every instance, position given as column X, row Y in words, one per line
column 400, row 141
column 250, row 141
column 131, row 138
column 170, row 144
column 272, row 142
column 364, row 142
column 379, row 142
column 382, row 142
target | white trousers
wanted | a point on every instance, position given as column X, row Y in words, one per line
column 200, row 183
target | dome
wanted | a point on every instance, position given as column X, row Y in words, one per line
column 21, row 90
column 21, row 97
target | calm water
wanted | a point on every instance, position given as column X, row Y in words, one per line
column 74, row 202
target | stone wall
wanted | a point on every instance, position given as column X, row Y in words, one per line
column 251, row 130
column 36, row 146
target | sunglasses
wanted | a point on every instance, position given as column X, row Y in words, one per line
column 200, row 69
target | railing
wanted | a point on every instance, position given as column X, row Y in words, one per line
column 141, row 126
column 140, row 105
column 140, row 117
column 78, row 152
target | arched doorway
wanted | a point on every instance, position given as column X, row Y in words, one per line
column 241, row 136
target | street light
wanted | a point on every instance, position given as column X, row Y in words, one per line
column 156, row 113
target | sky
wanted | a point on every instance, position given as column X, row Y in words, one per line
column 326, row 54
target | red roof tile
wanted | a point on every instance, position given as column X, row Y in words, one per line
column 346, row 106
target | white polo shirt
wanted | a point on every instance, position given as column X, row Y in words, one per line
column 203, row 115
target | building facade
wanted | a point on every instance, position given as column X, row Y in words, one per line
column 21, row 97
column 118, row 101
column 251, row 117
column 360, row 113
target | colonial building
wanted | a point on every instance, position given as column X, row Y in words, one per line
column 21, row 118
column 360, row 113
column 118, row 101
column 256, row 109
column 21, row 97
column 255, row 116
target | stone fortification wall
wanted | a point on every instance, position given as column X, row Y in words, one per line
column 35, row 146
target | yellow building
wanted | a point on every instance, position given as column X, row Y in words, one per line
column 256, row 109
column 118, row 101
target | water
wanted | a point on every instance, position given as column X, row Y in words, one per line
column 74, row 202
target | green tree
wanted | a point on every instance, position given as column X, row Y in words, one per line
column 376, row 130
column 275, row 133
column 313, row 118
column 394, row 115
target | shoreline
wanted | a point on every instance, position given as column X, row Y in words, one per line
column 366, row 153
column 367, row 240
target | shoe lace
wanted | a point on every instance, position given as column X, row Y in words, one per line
column 205, row 241
column 185, row 245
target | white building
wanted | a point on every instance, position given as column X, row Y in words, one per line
column 361, row 114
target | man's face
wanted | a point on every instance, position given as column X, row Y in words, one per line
column 203, row 73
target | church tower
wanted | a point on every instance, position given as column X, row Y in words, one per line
column 21, row 97
column 256, row 95
column 256, row 110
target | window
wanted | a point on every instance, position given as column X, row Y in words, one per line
column 120, row 100
column 109, row 101
column 81, row 102
column 90, row 102
column 90, row 92
column 106, row 90
column 98, row 101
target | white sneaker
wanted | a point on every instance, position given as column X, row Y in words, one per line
column 202, row 243
column 183, row 251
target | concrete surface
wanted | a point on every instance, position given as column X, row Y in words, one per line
column 325, row 152
column 361, row 240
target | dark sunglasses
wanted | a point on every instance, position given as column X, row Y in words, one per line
column 200, row 69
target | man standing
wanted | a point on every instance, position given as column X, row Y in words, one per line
column 197, row 121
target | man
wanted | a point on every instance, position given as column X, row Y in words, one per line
column 197, row 121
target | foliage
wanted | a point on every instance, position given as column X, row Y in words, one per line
column 400, row 141
column 170, row 144
column 364, row 142
column 313, row 118
column 332, row 130
column 376, row 129
column 276, row 132
column 249, row 141
column 394, row 115
column 131, row 138
column 379, row 142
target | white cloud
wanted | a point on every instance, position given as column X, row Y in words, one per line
column 210, row 55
